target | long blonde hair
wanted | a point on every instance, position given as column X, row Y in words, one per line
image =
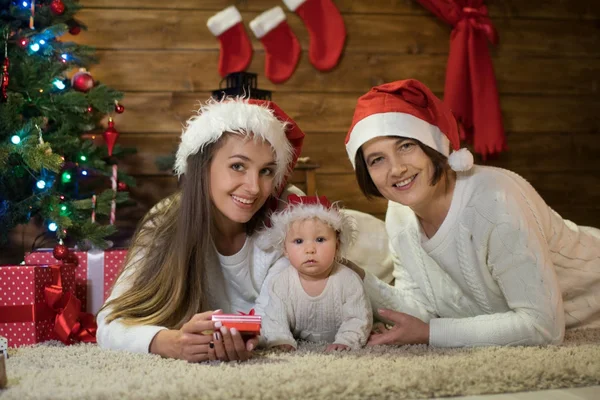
column 170, row 249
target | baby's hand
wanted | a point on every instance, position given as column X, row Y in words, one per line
column 284, row 347
column 336, row 347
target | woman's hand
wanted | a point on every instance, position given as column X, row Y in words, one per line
column 229, row 344
column 406, row 330
column 336, row 347
column 192, row 342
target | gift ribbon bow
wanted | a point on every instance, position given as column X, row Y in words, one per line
column 250, row 313
column 70, row 325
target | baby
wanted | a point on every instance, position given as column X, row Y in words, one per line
column 316, row 298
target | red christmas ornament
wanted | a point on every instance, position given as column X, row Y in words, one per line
column 75, row 30
column 60, row 252
column 57, row 7
column 4, row 83
column 82, row 81
column 122, row 186
column 23, row 42
column 119, row 108
column 74, row 27
column 110, row 136
column 90, row 109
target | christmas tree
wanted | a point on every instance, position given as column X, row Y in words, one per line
column 50, row 110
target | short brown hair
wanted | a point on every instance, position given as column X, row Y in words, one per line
column 440, row 165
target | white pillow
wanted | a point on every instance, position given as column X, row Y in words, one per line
column 371, row 251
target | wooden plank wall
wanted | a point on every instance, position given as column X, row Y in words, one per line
column 547, row 66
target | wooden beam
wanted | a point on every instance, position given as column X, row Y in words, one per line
column 537, row 152
column 185, row 71
column 561, row 9
column 153, row 112
column 166, row 29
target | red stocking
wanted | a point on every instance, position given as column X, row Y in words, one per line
column 236, row 49
column 281, row 45
column 326, row 28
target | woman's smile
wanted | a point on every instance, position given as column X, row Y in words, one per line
column 406, row 183
column 242, row 201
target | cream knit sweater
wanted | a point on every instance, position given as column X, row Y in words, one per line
column 341, row 314
column 503, row 269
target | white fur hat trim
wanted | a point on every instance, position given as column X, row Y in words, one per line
column 342, row 223
column 235, row 115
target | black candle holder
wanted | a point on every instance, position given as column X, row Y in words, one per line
column 241, row 84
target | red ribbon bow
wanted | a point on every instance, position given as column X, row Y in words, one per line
column 70, row 325
column 480, row 19
column 250, row 313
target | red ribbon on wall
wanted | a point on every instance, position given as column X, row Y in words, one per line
column 480, row 19
column 470, row 89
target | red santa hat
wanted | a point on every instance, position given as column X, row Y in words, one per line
column 300, row 208
column 264, row 119
column 408, row 109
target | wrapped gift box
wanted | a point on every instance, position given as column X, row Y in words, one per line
column 25, row 315
column 95, row 274
column 245, row 324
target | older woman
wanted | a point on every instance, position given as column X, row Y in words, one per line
column 479, row 257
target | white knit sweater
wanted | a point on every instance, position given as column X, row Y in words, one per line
column 489, row 274
column 341, row 314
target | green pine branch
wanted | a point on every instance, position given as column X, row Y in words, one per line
column 48, row 170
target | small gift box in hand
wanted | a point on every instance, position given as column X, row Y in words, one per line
column 246, row 324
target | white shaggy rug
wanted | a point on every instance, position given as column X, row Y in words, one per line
column 53, row 371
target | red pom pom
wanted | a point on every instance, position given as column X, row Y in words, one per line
column 60, row 252
column 57, row 7
column 82, row 81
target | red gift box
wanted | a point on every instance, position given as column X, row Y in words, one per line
column 245, row 324
column 26, row 317
column 96, row 272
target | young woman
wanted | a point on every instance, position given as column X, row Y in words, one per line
column 480, row 258
column 194, row 252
